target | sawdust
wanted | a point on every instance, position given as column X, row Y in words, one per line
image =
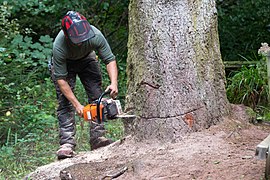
column 224, row 151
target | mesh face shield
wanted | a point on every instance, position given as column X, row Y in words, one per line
column 76, row 27
column 80, row 31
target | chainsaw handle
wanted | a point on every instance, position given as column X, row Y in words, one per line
column 98, row 104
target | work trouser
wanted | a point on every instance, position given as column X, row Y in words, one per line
column 88, row 70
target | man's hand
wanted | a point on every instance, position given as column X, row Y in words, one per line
column 114, row 90
column 79, row 110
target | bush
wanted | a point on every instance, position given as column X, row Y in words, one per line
column 249, row 85
column 24, row 85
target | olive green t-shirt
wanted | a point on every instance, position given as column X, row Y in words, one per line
column 64, row 50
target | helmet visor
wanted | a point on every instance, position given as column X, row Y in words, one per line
column 80, row 32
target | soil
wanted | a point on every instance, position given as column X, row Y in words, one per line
column 224, row 151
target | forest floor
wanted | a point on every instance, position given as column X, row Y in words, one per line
column 225, row 151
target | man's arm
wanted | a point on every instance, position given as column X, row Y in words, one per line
column 113, row 74
column 66, row 90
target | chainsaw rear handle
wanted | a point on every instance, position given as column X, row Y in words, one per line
column 98, row 104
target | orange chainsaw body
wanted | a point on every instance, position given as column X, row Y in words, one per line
column 90, row 112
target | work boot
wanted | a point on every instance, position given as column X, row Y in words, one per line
column 65, row 151
column 97, row 133
column 100, row 142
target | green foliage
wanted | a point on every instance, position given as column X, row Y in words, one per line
column 243, row 26
column 8, row 27
column 110, row 16
column 249, row 85
column 22, row 79
column 27, row 129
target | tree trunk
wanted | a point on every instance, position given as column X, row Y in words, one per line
column 176, row 79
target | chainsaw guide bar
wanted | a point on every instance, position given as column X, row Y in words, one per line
column 125, row 116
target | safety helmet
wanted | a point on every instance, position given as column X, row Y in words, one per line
column 76, row 27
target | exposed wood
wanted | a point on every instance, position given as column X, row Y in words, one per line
column 262, row 152
column 267, row 165
column 262, row 148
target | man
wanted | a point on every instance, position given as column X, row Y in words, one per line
column 74, row 54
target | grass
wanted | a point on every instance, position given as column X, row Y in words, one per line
column 249, row 85
column 25, row 155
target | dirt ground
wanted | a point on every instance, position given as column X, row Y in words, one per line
column 224, row 151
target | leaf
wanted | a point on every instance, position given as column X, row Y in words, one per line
column 105, row 5
column 37, row 46
column 45, row 39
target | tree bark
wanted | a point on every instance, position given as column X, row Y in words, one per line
column 176, row 78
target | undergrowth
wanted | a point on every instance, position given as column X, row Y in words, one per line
column 249, row 86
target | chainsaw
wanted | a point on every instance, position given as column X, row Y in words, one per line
column 104, row 109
